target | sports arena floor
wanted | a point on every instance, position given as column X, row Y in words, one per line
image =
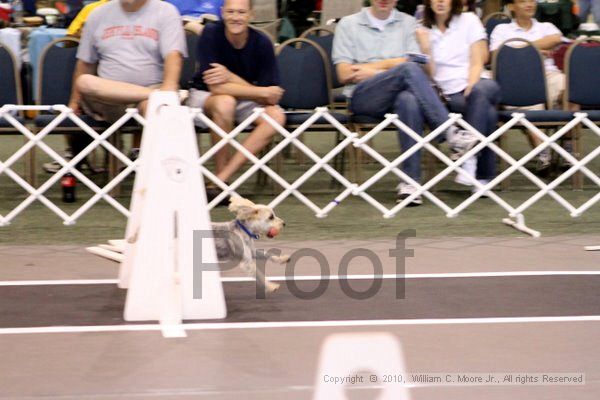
column 471, row 305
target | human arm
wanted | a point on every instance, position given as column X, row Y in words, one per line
column 221, row 81
column 423, row 37
column 478, row 50
column 354, row 73
column 478, row 56
column 551, row 36
column 171, row 71
column 172, row 46
column 548, row 42
column 266, row 95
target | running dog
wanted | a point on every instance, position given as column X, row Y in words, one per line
column 234, row 240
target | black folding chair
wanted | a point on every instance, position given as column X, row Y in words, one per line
column 582, row 84
column 306, row 78
column 10, row 93
column 521, row 76
column 188, row 68
column 493, row 20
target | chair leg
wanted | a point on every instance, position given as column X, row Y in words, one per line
column 29, row 164
column 262, row 179
column 300, row 156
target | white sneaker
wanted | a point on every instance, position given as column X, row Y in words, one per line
column 544, row 163
column 405, row 190
column 459, row 141
column 53, row 167
column 470, row 167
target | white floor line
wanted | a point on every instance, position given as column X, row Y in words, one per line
column 60, row 282
column 317, row 277
column 208, row 326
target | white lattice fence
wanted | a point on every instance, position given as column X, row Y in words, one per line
column 357, row 189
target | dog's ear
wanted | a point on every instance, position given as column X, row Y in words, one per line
column 242, row 208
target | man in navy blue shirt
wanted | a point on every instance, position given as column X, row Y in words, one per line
column 237, row 72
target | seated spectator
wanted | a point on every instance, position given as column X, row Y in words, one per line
column 545, row 37
column 456, row 42
column 370, row 52
column 128, row 49
column 237, row 72
column 76, row 27
column 74, row 30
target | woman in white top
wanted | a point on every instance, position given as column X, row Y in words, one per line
column 456, row 42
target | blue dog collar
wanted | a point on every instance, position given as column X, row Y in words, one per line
column 248, row 231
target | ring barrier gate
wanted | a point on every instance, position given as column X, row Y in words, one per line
column 515, row 214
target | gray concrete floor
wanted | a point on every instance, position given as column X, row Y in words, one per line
column 441, row 255
column 280, row 363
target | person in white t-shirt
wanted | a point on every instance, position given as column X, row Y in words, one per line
column 457, row 45
column 545, row 36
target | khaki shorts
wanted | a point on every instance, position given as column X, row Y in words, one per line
column 197, row 98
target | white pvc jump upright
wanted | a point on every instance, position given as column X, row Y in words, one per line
column 168, row 205
column 348, row 354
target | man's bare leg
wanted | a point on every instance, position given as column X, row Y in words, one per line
column 110, row 91
column 221, row 109
column 255, row 142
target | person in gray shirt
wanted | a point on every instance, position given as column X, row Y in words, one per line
column 371, row 51
column 128, row 49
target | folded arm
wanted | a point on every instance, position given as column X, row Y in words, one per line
column 354, row 73
column 221, row 81
column 548, row 42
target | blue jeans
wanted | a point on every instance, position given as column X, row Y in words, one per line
column 404, row 90
column 480, row 111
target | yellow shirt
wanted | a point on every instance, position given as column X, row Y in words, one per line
column 77, row 24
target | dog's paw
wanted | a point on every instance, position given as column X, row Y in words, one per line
column 284, row 259
column 271, row 287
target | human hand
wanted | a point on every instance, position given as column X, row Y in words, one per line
column 271, row 95
column 217, row 75
column 468, row 89
column 74, row 105
column 361, row 73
